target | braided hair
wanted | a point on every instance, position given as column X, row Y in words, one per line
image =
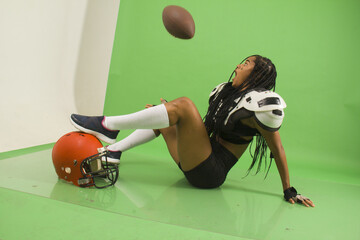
column 262, row 76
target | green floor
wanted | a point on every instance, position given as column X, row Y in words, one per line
column 151, row 200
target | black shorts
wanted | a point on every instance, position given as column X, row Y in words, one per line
column 213, row 171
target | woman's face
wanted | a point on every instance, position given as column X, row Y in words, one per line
column 243, row 71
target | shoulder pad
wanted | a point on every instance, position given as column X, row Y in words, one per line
column 268, row 108
column 217, row 89
column 270, row 120
column 262, row 101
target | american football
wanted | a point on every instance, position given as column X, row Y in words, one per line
column 178, row 22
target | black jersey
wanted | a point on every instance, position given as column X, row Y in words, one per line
column 234, row 130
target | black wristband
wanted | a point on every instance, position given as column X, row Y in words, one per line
column 290, row 193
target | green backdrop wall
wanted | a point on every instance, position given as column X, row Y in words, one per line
column 314, row 45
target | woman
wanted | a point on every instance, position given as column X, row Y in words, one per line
column 206, row 151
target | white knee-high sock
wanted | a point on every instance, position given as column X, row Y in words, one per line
column 137, row 138
column 150, row 118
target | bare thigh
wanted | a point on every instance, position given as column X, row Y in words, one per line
column 192, row 140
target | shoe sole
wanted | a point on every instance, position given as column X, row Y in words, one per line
column 100, row 136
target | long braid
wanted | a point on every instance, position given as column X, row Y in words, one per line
column 263, row 76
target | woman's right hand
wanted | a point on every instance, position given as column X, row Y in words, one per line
column 163, row 101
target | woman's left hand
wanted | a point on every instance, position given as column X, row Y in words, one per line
column 291, row 195
column 302, row 199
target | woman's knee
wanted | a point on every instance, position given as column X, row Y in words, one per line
column 184, row 103
column 179, row 108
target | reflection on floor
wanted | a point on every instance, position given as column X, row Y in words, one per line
column 153, row 200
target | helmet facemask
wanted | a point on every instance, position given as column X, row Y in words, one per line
column 98, row 172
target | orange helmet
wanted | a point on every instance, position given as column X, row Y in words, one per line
column 76, row 159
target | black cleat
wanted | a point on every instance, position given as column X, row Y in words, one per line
column 112, row 157
column 94, row 126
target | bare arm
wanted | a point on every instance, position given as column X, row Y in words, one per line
column 273, row 140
